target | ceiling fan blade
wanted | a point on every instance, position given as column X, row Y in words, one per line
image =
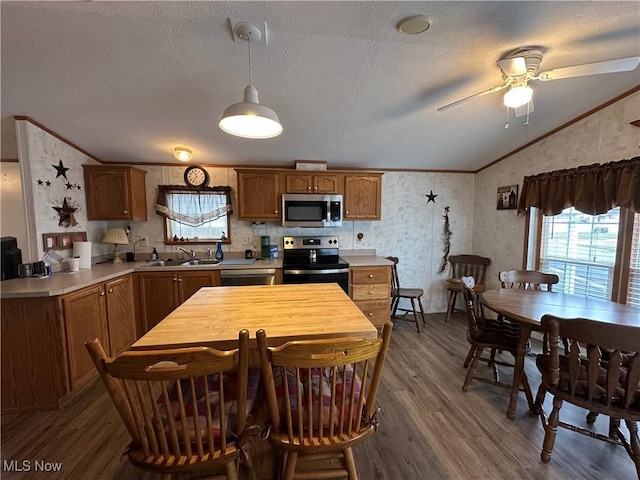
column 608, row 66
column 491, row 90
column 513, row 66
column 521, row 111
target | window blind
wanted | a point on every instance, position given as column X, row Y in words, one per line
column 633, row 290
column 581, row 250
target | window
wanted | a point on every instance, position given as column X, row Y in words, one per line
column 194, row 215
column 589, row 254
column 633, row 292
column 581, row 250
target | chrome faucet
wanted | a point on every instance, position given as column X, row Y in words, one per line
column 210, row 252
column 192, row 253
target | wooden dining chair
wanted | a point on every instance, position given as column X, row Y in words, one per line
column 600, row 373
column 185, row 409
column 489, row 334
column 398, row 292
column 465, row 266
column 528, row 280
column 321, row 396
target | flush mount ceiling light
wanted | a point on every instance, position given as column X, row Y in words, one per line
column 249, row 119
column 518, row 96
column 414, row 24
column 182, row 154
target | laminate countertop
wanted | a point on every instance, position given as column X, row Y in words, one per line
column 66, row 282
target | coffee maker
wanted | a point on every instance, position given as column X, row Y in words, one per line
column 11, row 257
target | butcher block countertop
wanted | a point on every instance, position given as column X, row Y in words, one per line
column 214, row 315
column 67, row 282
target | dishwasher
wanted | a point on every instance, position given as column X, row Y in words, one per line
column 253, row 276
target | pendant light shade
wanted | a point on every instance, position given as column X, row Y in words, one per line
column 249, row 119
column 518, row 96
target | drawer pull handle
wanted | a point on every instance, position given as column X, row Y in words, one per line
column 102, row 294
column 371, row 314
column 111, row 290
column 370, row 292
column 126, row 211
column 371, row 275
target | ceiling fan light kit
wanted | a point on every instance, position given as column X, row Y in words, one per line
column 182, row 154
column 518, row 96
column 249, row 119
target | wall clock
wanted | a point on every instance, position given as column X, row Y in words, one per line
column 196, row 176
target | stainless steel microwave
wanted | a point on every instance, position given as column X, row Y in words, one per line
column 302, row 210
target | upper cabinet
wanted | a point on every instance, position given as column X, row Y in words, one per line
column 363, row 196
column 316, row 183
column 259, row 195
column 260, row 192
column 115, row 192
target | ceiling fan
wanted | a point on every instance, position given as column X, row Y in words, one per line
column 522, row 65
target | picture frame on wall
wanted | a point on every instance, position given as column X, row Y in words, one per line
column 50, row 241
column 507, row 197
column 66, row 240
column 80, row 236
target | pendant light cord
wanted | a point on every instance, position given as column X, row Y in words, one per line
column 250, row 77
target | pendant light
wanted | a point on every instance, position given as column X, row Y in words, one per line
column 249, row 119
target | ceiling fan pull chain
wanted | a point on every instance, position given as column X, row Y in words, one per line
column 506, row 124
column 527, row 122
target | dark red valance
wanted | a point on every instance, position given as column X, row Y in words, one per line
column 592, row 189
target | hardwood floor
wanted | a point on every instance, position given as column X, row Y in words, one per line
column 429, row 427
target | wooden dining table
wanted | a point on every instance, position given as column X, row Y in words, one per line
column 529, row 306
column 213, row 316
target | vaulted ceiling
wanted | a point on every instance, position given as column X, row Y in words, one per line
column 127, row 81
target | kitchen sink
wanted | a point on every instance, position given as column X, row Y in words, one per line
column 182, row 263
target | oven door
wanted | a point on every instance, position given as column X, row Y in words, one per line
column 339, row 276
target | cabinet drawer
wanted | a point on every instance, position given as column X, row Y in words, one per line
column 370, row 292
column 376, row 311
column 371, row 275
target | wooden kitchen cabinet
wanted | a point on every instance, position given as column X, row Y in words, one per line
column 363, row 197
column 105, row 311
column 316, row 183
column 115, row 192
column 162, row 292
column 259, row 195
column 85, row 319
column 370, row 290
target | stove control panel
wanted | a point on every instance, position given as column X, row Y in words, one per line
column 310, row 242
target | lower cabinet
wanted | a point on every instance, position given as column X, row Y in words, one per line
column 370, row 289
column 44, row 360
column 162, row 292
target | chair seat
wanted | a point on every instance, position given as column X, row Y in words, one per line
column 581, row 387
column 407, row 292
column 456, row 285
column 230, row 381
column 496, row 334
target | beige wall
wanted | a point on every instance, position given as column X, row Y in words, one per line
column 604, row 136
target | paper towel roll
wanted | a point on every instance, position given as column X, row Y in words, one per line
column 83, row 250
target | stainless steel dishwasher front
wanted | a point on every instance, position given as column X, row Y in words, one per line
column 251, row 276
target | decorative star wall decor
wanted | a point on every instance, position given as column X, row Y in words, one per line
column 431, row 197
column 62, row 170
column 66, row 214
column 48, row 183
column 40, row 182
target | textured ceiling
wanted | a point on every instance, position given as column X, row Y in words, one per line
column 127, row 81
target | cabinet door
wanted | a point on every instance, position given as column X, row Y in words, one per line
column 84, row 316
column 326, row 184
column 190, row 282
column 299, row 183
column 121, row 318
column 258, row 196
column 362, row 197
column 159, row 296
column 108, row 195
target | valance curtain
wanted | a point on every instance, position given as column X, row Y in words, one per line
column 592, row 189
column 193, row 206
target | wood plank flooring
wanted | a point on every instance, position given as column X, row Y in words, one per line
column 429, row 427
